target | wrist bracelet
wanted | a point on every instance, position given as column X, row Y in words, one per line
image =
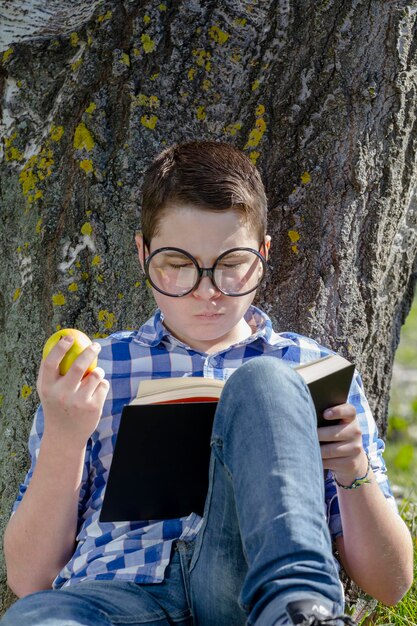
column 358, row 481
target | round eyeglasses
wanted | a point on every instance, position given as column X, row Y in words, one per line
column 176, row 273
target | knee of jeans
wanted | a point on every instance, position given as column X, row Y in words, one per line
column 264, row 370
column 266, row 381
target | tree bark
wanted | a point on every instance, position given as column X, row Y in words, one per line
column 321, row 95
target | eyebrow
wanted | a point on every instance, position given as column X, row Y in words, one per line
column 236, row 253
column 172, row 254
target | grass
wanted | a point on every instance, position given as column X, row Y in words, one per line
column 401, row 459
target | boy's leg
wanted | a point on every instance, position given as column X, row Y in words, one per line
column 107, row 603
column 265, row 533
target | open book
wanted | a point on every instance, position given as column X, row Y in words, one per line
column 161, row 457
column 185, row 389
column 328, row 379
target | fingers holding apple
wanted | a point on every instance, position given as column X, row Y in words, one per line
column 72, row 344
column 71, row 388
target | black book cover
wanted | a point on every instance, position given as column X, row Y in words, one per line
column 160, row 462
column 331, row 390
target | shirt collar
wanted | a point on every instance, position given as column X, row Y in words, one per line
column 153, row 331
column 261, row 326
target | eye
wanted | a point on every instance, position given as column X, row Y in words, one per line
column 230, row 265
column 177, row 266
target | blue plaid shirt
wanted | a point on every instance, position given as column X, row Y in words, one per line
column 140, row 552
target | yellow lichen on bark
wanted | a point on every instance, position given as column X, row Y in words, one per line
column 294, row 237
column 148, row 44
column 218, row 35
column 87, row 229
column 58, row 299
column 26, row 391
column 28, row 177
column 201, row 113
column 7, row 54
column 86, row 165
column 149, row 121
column 103, row 18
column 232, row 129
column 257, row 133
column 107, row 318
column 83, row 139
column 16, row 294
column 12, row 153
column 56, row 132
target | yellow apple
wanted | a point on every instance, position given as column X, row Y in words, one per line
column 81, row 341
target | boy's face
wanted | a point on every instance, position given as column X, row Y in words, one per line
column 205, row 319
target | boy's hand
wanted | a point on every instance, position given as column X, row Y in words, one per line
column 341, row 444
column 72, row 404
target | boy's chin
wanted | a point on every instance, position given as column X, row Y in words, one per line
column 207, row 339
column 200, row 338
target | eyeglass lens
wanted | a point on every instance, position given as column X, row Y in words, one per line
column 235, row 273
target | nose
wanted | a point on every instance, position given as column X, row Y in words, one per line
column 206, row 290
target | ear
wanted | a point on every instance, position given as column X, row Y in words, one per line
column 265, row 246
column 142, row 249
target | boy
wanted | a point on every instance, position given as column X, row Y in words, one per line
column 261, row 554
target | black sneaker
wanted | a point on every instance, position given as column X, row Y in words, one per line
column 313, row 613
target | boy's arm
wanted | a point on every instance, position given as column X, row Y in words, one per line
column 376, row 548
column 40, row 537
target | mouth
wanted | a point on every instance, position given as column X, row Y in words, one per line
column 210, row 315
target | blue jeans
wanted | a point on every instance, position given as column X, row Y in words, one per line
column 264, row 540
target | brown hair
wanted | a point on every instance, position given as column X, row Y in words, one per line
column 207, row 175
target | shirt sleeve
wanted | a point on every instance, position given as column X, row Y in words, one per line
column 374, row 448
column 35, row 438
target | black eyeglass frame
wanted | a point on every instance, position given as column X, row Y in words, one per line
column 205, row 271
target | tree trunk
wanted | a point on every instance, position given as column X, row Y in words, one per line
column 321, row 95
